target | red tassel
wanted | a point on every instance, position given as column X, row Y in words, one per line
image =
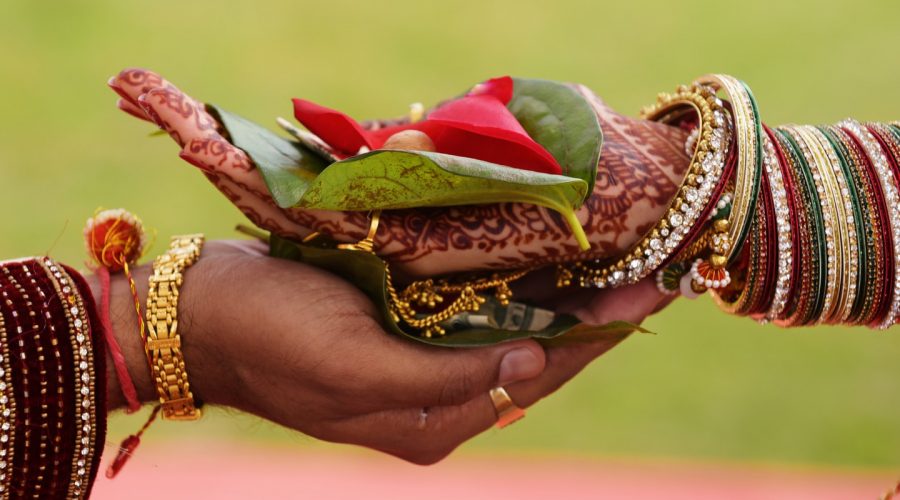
column 128, row 446
column 126, row 450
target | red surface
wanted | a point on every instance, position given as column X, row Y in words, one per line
column 232, row 471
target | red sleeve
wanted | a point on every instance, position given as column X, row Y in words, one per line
column 52, row 382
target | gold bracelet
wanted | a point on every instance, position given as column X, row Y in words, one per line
column 163, row 343
column 748, row 132
column 665, row 238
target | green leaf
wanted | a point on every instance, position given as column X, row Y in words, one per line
column 286, row 166
column 561, row 120
column 367, row 271
column 388, row 179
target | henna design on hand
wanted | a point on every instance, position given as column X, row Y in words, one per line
column 638, row 173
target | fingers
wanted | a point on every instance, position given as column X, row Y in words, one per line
column 425, row 435
column 132, row 109
column 418, row 376
column 147, row 95
column 632, row 303
column 250, row 199
column 213, row 153
column 132, row 82
column 424, row 440
column 179, row 115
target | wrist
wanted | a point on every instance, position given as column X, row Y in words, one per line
column 123, row 319
column 200, row 359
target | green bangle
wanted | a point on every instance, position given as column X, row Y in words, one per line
column 876, row 235
column 818, row 266
column 847, row 238
column 861, row 214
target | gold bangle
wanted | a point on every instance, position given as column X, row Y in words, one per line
column 163, row 343
column 844, row 204
column 747, row 131
column 666, row 237
column 835, row 223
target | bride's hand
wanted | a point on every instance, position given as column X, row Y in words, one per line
column 304, row 349
column 639, row 171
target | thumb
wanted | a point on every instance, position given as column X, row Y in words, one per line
column 632, row 303
column 429, row 376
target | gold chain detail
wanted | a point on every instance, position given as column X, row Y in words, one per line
column 428, row 293
column 163, row 344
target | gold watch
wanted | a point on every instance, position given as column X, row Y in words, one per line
column 163, row 343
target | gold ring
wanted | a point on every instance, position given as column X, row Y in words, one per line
column 507, row 411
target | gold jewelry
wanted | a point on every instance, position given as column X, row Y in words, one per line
column 507, row 411
column 428, row 293
column 749, row 168
column 667, row 237
column 367, row 244
column 833, row 216
column 163, row 343
column 890, row 187
column 847, row 222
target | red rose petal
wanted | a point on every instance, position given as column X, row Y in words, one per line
column 501, row 88
column 486, row 117
column 335, row 128
column 478, row 126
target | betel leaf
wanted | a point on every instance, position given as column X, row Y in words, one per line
column 390, row 179
column 561, row 120
column 367, row 271
column 287, row 167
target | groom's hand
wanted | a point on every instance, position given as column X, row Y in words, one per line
column 304, row 349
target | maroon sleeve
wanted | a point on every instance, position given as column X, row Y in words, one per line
column 52, row 382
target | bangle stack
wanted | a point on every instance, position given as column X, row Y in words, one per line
column 810, row 235
column 696, row 106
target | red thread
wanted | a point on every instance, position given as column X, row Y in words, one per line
column 115, row 351
column 129, row 444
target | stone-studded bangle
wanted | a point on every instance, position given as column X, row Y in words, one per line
column 854, row 246
column 860, row 197
column 748, row 135
column 783, row 224
column 691, row 204
column 895, row 129
column 748, row 271
column 829, row 216
column 814, row 260
column 891, row 191
column 891, row 149
column 763, row 301
column 846, row 249
column 878, row 239
column 812, row 158
column 52, row 382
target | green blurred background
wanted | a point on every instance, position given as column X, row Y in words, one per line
column 708, row 387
